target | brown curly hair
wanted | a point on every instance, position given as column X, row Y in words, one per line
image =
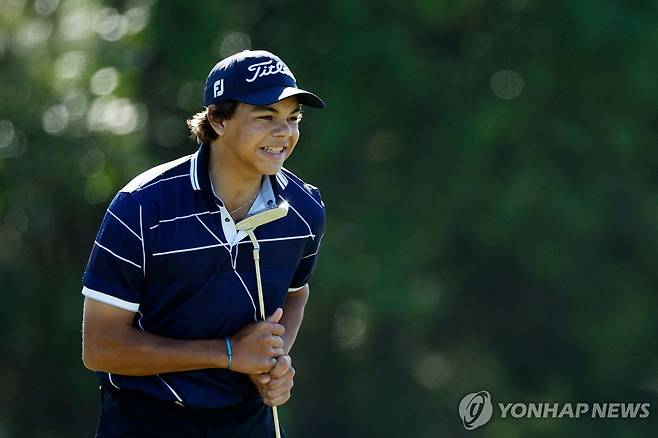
column 201, row 131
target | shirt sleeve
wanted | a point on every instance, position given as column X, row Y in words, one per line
column 116, row 268
column 308, row 261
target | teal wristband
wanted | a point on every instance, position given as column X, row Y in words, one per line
column 229, row 352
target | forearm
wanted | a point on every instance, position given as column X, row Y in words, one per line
column 135, row 353
column 110, row 343
column 293, row 314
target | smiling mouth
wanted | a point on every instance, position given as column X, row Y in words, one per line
column 274, row 149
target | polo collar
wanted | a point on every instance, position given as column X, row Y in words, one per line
column 199, row 169
column 200, row 178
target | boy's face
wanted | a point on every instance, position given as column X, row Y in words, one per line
column 261, row 138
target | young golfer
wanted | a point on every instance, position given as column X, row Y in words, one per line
column 171, row 324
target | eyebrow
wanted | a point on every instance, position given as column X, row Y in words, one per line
column 271, row 109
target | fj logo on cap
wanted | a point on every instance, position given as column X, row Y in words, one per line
column 218, row 88
column 267, row 68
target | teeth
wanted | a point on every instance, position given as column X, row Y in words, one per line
column 275, row 150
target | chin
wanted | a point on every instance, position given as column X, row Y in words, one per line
column 270, row 170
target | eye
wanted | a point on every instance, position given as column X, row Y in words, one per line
column 264, row 117
column 296, row 118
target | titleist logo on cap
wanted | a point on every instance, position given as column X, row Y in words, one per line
column 267, row 68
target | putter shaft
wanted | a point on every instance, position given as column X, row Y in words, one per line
column 261, row 305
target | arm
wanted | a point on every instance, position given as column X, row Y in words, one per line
column 110, row 343
column 293, row 313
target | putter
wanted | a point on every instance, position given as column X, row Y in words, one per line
column 249, row 224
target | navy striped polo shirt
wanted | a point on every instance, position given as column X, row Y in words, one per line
column 168, row 250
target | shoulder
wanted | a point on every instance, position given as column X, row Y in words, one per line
column 297, row 187
column 145, row 193
column 178, row 169
column 301, row 195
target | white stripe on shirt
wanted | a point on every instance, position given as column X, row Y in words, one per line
column 123, row 223
column 110, row 299
column 117, row 255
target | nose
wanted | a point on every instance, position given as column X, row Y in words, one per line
column 282, row 129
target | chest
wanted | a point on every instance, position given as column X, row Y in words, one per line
column 200, row 245
column 201, row 284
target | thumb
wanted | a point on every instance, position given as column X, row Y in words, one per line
column 264, row 378
column 276, row 316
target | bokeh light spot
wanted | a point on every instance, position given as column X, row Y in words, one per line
column 55, row 119
column 142, row 116
column 190, row 96
column 122, row 116
column 11, row 10
column 33, row 34
column 119, row 116
column 234, row 42
column 75, row 21
column 92, row 163
column 432, row 371
column 104, row 81
column 16, row 223
column 18, row 4
column 97, row 188
column 137, row 19
column 350, row 325
column 45, row 7
column 76, row 104
column 110, row 25
column 4, row 42
column 170, row 132
column 507, row 84
column 7, row 133
column 70, row 65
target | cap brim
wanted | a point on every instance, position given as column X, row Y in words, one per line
column 272, row 95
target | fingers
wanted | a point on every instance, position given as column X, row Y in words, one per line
column 276, row 329
column 257, row 346
column 282, row 366
column 277, row 392
column 265, row 364
column 275, row 389
column 260, row 380
column 271, row 340
column 276, row 399
column 281, row 382
column 276, row 316
column 276, row 342
column 270, row 327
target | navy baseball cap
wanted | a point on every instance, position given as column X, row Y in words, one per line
column 257, row 77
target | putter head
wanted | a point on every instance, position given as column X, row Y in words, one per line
column 263, row 217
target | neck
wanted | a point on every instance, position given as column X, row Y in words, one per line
column 235, row 188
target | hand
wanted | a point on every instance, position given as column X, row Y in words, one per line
column 274, row 387
column 256, row 346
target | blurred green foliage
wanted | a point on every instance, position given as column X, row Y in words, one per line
column 490, row 170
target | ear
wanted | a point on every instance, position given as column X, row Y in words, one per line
column 217, row 124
